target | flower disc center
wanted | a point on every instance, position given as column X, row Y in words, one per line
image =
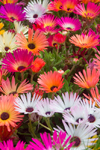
column 35, row 15
column 29, row 109
column 4, row 116
column 20, row 68
column 7, row 48
column 76, row 140
column 53, row 87
column 31, row 46
column 91, row 118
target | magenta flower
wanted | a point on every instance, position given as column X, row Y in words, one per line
column 19, row 61
column 9, row 146
column 12, row 12
column 58, row 142
column 69, row 24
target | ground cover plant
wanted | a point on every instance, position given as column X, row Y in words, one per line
column 50, row 75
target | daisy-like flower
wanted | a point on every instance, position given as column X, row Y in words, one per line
column 19, row 61
column 97, row 61
column 93, row 117
column 37, row 65
column 8, row 115
column 76, row 115
column 1, row 26
column 3, row 73
column 50, row 82
column 59, row 141
column 7, row 42
column 55, row 5
column 92, row 11
column 69, row 5
column 69, row 24
column 48, row 20
column 8, row 1
column 85, row 40
column 94, row 95
column 43, row 108
column 26, row 104
column 81, row 135
column 59, row 38
column 89, row 79
column 36, row 42
column 11, row 88
column 12, row 12
column 10, row 146
column 20, row 28
column 34, row 11
column 65, row 103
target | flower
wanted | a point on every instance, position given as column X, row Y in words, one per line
column 85, row 41
column 89, row 79
column 11, row 88
column 34, row 11
column 81, row 135
column 43, row 108
column 76, row 115
column 92, row 11
column 48, row 20
column 10, row 146
column 7, row 42
column 19, row 61
column 8, row 115
column 59, row 38
column 12, row 12
column 3, row 73
column 97, row 61
column 27, row 104
column 55, row 5
column 8, row 1
column 50, row 82
column 69, row 24
column 20, row 28
column 59, row 141
column 1, row 26
column 69, row 5
column 65, row 103
column 37, row 65
column 35, row 43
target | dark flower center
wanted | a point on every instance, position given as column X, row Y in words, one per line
column 79, row 119
column 48, row 113
column 20, row 68
column 14, row 92
column 7, row 48
column 68, row 9
column 76, row 140
column 35, row 15
column 69, row 28
column 12, row 18
column 29, row 109
column 4, row 116
column 68, row 108
column 60, row 7
column 31, row 46
column 55, row 44
column 91, row 118
column 53, row 87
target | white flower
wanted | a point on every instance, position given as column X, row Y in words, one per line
column 81, row 135
column 7, row 42
column 26, row 104
column 34, row 12
column 67, row 101
column 20, row 28
column 76, row 115
column 44, row 109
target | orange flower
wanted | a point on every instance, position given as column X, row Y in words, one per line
column 3, row 72
column 85, row 41
column 51, row 81
column 35, row 43
column 37, row 65
column 89, row 79
column 8, row 1
column 11, row 88
column 94, row 95
column 97, row 61
column 8, row 115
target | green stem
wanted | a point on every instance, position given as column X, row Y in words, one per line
column 32, row 75
column 47, row 120
column 31, row 130
column 22, row 76
column 58, row 49
column 45, row 126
